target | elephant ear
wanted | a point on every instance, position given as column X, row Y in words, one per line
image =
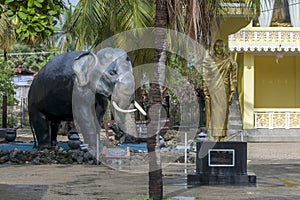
column 83, row 66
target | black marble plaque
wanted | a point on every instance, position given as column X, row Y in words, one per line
column 221, row 157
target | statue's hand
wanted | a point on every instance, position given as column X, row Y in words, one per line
column 207, row 97
column 230, row 98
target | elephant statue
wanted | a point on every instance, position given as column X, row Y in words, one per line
column 77, row 86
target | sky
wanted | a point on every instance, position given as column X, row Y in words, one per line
column 73, row 2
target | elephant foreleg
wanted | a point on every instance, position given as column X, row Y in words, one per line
column 83, row 105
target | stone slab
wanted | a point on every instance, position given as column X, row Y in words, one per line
column 116, row 153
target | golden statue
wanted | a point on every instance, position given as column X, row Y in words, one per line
column 219, row 83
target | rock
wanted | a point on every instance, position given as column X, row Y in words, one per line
column 79, row 160
column 36, row 160
column 91, row 162
column 4, row 159
column 87, row 156
column 12, row 156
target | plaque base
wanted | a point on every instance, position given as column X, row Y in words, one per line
column 211, row 179
column 221, row 163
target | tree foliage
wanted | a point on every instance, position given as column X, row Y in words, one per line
column 33, row 59
column 6, row 72
column 34, row 20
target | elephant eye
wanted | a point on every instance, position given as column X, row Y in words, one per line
column 113, row 72
column 127, row 59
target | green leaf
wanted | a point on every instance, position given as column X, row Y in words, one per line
column 48, row 33
column 30, row 3
column 23, row 27
column 37, row 4
column 15, row 20
column 35, row 19
column 18, row 30
column 38, row 28
column 54, row 28
column 26, row 34
column 23, row 9
column 9, row 13
column 31, row 11
column 22, row 15
column 8, row 2
column 52, row 12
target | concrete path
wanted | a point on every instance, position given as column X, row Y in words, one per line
column 277, row 166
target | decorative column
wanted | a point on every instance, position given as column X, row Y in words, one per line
column 297, row 90
column 248, row 85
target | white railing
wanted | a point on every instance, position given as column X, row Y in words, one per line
column 266, row 39
column 276, row 118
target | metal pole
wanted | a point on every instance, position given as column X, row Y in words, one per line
column 185, row 148
column 97, row 146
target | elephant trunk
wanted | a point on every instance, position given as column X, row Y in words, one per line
column 121, row 100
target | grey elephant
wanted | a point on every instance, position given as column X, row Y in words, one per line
column 77, row 86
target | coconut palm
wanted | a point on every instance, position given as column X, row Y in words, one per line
column 7, row 33
column 153, row 144
column 94, row 21
column 65, row 40
column 7, row 38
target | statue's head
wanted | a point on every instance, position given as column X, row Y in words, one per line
column 219, row 48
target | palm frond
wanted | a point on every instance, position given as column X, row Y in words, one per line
column 136, row 14
column 7, row 33
column 89, row 17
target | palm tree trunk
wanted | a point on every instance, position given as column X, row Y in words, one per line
column 4, row 101
column 153, row 145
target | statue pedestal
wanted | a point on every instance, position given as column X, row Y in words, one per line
column 220, row 163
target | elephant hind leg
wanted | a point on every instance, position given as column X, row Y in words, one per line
column 40, row 124
column 54, row 130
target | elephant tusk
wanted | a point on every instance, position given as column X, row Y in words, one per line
column 140, row 108
column 120, row 109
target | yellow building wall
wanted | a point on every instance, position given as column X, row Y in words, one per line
column 276, row 85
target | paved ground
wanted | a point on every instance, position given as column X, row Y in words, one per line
column 277, row 166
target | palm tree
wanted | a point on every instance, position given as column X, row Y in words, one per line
column 95, row 21
column 7, row 38
column 65, row 40
column 153, row 145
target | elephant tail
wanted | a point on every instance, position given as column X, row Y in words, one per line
column 34, row 136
